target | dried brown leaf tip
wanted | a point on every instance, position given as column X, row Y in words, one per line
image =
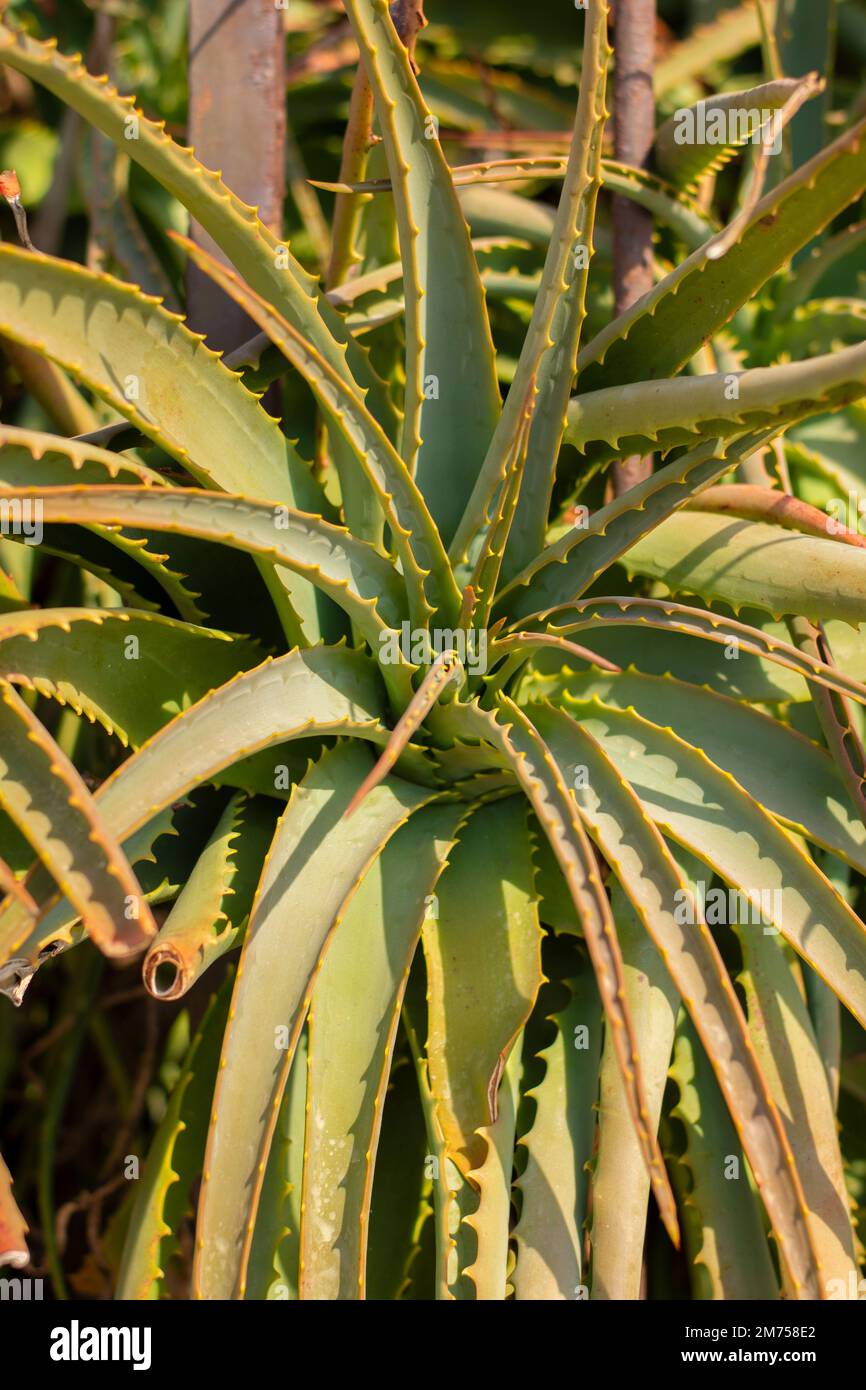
column 11, row 190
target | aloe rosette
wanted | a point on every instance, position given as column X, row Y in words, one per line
column 484, row 736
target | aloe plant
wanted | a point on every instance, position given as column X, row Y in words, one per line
column 493, row 787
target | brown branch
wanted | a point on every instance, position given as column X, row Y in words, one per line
column 634, row 130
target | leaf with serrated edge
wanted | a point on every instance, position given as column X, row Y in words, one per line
column 668, row 616
column 656, row 888
column 258, row 709
column 785, row 1044
column 349, row 571
column 787, row 773
column 667, row 414
column 264, row 260
column 487, row 931
column 490, row 1181
column 686, row 162
column 721, row 1217
column 45, row 796
column 78, row 656
column 549, row 351
column 272, row 1272
column 749, row 564
column 414, row 531
column 554, row 1183
column 354, row 1012
column 518, row 740
column 665, row 328
column 147, row 364
column 213, row 904
column 620, row 1185
column 447, row 330
column 704, row 809
column 142, row 1268
column 315, row 864
column 565, row 569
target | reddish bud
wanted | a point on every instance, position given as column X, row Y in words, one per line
column 9, row 185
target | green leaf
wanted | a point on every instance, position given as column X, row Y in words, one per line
column 145, row 363
column 787, row 773
column 316, row 862
column 620, row 1183
column 129, row 671
column 173, row 1162
column 414, row 532
column 564, row 570
column 549, row 352
column 721, row 1216
column 214, row 903
column 44, row 795
column 321, row 692
column 732, row 33
column 448, row 337
column 349, row 571
column 554, row 1183
column 704, row 809
column 31, row 459
column 519, row 742
column 272, row 1272
column 486, row 931
column 264, row 261
column 668, row 326
column 663, row 900
column 659, row 615
column 740, row 115
column 785, row 1045
column 748, row 564
column 806, row 35
column 354, row 1012
column 644, row 415
column 489, row 1220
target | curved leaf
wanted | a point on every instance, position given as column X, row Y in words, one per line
column 152, row 369
column 667, row 327
column 663, row 901
column 486, row 931
column 789, row 1057
column 354, row 1012
column 666, row 414
column 414, row 531
column 448, row 341
column 787, row 773
column 751, row 564
column 704, row 809
column 549, row 352
column 129, row 671
column 554, row 1183
column 620, row 1185
column 315, row 864
column 214, row 903
column 349, row 571
column 721, row 1216
column 537, row 772
column 565, row 569
column 181, row 1135
column 261, row 258
column 45, row 796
